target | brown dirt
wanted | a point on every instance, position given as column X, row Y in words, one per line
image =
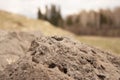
column 56, row 58
column 13, row 45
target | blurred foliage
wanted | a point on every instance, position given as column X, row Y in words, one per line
column 53, row 15
column 11, row 22
column 69, row 20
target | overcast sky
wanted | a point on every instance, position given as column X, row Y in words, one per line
column 29, row 7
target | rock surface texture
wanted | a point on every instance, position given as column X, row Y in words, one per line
column 59, row 58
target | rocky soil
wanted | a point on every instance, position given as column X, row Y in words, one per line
column 33, row 56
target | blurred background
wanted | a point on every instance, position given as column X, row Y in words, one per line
column 95, row 22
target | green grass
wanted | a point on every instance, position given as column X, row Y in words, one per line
column 105, row 43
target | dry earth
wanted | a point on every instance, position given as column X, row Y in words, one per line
column 33, row 56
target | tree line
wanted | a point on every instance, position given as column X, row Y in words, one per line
column 104, row 22
column 52, row 14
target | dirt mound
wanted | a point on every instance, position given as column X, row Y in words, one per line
column 13, row 45
column 60, row 58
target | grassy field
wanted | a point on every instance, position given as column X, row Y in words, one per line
column 10, row 21
column 105, row 43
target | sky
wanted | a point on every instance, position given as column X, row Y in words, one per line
column 29, row 7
